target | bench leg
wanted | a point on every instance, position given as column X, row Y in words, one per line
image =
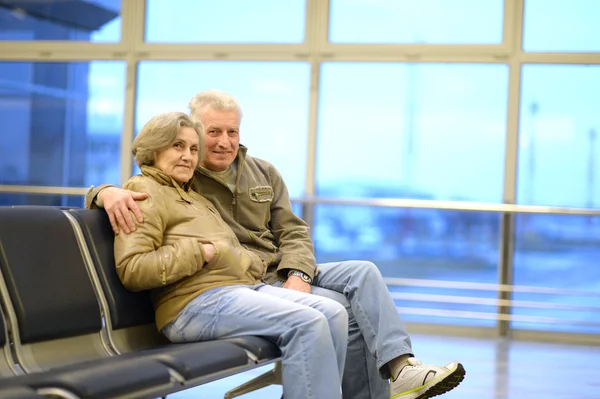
column 269, row 378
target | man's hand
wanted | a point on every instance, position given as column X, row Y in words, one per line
column 117, row 203
column 297, row 284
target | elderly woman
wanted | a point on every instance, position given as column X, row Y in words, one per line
column 204, row 284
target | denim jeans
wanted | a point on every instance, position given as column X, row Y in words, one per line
column 310, row 330
column 376, row 333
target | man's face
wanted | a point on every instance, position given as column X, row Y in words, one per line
column 222, row 137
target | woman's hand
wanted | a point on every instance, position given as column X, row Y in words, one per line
column 209, row 252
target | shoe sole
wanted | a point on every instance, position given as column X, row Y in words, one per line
column 447, row 384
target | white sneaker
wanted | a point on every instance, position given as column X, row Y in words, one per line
column 418, row 381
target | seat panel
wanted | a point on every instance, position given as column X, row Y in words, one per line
column 193, row 360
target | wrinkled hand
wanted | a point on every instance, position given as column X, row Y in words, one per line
column 209, row 252
column 117, row 203
column 297, row 284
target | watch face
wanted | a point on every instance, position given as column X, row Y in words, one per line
column 305, row 277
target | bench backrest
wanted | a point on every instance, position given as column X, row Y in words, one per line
column 47, row 289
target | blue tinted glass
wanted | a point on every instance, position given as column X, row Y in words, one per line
column 225, row 21
column 430, row 131
column 69, row 117
column 411, row 21
column 90, row 20
column 559, row 25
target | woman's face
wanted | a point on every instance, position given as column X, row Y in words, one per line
column 180, row 160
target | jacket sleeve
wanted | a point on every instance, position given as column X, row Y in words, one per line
column 143, row 262
column 291, row 232
column 90, row 197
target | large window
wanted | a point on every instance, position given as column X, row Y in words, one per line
column 95, row 21
column 273, row 97
column 61, row 122
column 416, row 21
column 225, row 21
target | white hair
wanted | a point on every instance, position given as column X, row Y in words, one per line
column 215, row 99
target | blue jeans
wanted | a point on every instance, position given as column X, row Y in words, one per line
column 376, row 334
column 310, row 330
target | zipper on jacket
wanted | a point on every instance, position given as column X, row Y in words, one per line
column 163, row 269
column 234, row 207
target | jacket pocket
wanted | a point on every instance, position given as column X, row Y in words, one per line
column 261, row 193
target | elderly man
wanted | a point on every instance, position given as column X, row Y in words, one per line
column 252, row 198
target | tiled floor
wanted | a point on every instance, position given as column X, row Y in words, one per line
column 495, row 370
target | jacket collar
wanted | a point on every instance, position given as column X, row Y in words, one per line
column 163, row 179
column 241, row 156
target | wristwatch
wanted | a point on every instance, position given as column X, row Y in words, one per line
column 305, row 277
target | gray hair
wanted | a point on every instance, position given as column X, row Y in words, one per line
column 160, row 132
column 215, row 99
